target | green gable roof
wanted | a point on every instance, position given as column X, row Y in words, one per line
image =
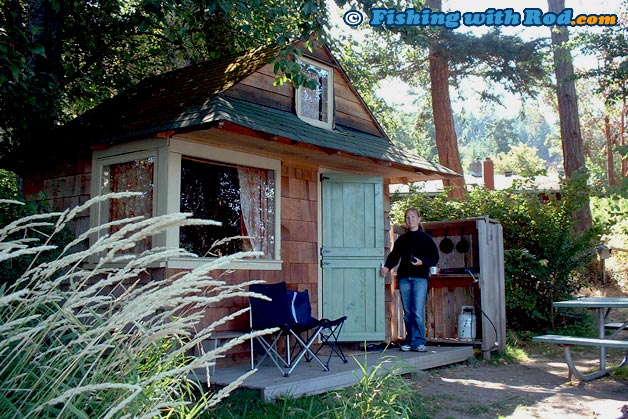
column 288, row 125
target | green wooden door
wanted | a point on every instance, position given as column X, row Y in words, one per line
column 351, row 253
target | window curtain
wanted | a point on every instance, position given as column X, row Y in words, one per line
column 257, row 204
column 136, row 176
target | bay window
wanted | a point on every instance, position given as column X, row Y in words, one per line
column 239, row 190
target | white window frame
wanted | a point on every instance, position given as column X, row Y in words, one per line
column 329, row 124
column 178, row 149
column 167, row 189
column 122, row 154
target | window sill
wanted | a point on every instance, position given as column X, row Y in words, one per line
column 92, row 264
column 242, row 264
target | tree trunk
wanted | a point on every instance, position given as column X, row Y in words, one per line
column 610, row 171
column 446, row 139
column 573, row 156
column 622, row 133
column 45, row 28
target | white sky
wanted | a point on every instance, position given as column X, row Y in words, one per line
column 394, row 91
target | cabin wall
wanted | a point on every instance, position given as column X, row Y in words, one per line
column 390, row 291
column 258, row 88
column 61, row 186
column 69, row 185
column 299, row 250
column 349, row 112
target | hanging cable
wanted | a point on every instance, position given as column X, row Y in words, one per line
column 477, row 305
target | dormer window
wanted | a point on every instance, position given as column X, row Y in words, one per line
column 316, row 107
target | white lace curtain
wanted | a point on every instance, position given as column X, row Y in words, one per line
column 257, row 204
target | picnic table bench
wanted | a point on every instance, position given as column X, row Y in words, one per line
column 602, row 305
column 616, row 326
column 569, row 341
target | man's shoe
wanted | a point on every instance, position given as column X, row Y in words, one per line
column 420, row 348
column 405, row 348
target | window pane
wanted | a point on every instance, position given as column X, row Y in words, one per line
column 133, row 176
column 241, row 198
column 314, row 102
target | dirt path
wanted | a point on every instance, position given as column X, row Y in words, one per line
column 536, row 388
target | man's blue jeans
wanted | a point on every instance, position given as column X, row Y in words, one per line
column 413, row 296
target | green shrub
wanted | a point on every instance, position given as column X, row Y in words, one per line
column 544, row 258
column 72, row 347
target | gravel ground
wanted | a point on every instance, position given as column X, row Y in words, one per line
column 535, row 388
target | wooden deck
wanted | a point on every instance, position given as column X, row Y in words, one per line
column 309, row 378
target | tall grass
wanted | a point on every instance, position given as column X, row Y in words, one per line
column 99, row 342
column 381, row 393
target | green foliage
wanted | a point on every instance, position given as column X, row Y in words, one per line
column 95, row 342
column 381, row 393
column 247, row 404
column 544, row 259
column 59, row 59
column 521, row 160
column 486, row 134
column 402, row 51
column 611, row 213
column 609, row 46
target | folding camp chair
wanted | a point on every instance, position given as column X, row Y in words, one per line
column 329, row 338
column 329, row 329
column 291, row 313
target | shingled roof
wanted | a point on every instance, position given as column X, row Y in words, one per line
column 192, row 98
column 164, row 99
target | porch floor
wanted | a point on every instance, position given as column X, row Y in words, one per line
column 309, row 378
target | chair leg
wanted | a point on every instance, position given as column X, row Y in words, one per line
column 306, row 350
column 270, row 351
column 334, row 345
column 329, row 336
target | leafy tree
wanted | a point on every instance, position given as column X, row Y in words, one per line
column 610, row 47
column 521, row 159
column 600, row 135
column 61, row 58
column 411, row 52
column 535, row 131
column 423, row 131
column 483, row 134
column 501, row 132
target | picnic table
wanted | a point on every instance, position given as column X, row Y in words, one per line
column 602, row 306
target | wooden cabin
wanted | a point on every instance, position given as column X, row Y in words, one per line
column 304, row 174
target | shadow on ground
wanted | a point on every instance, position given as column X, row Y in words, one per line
column 538, row 388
